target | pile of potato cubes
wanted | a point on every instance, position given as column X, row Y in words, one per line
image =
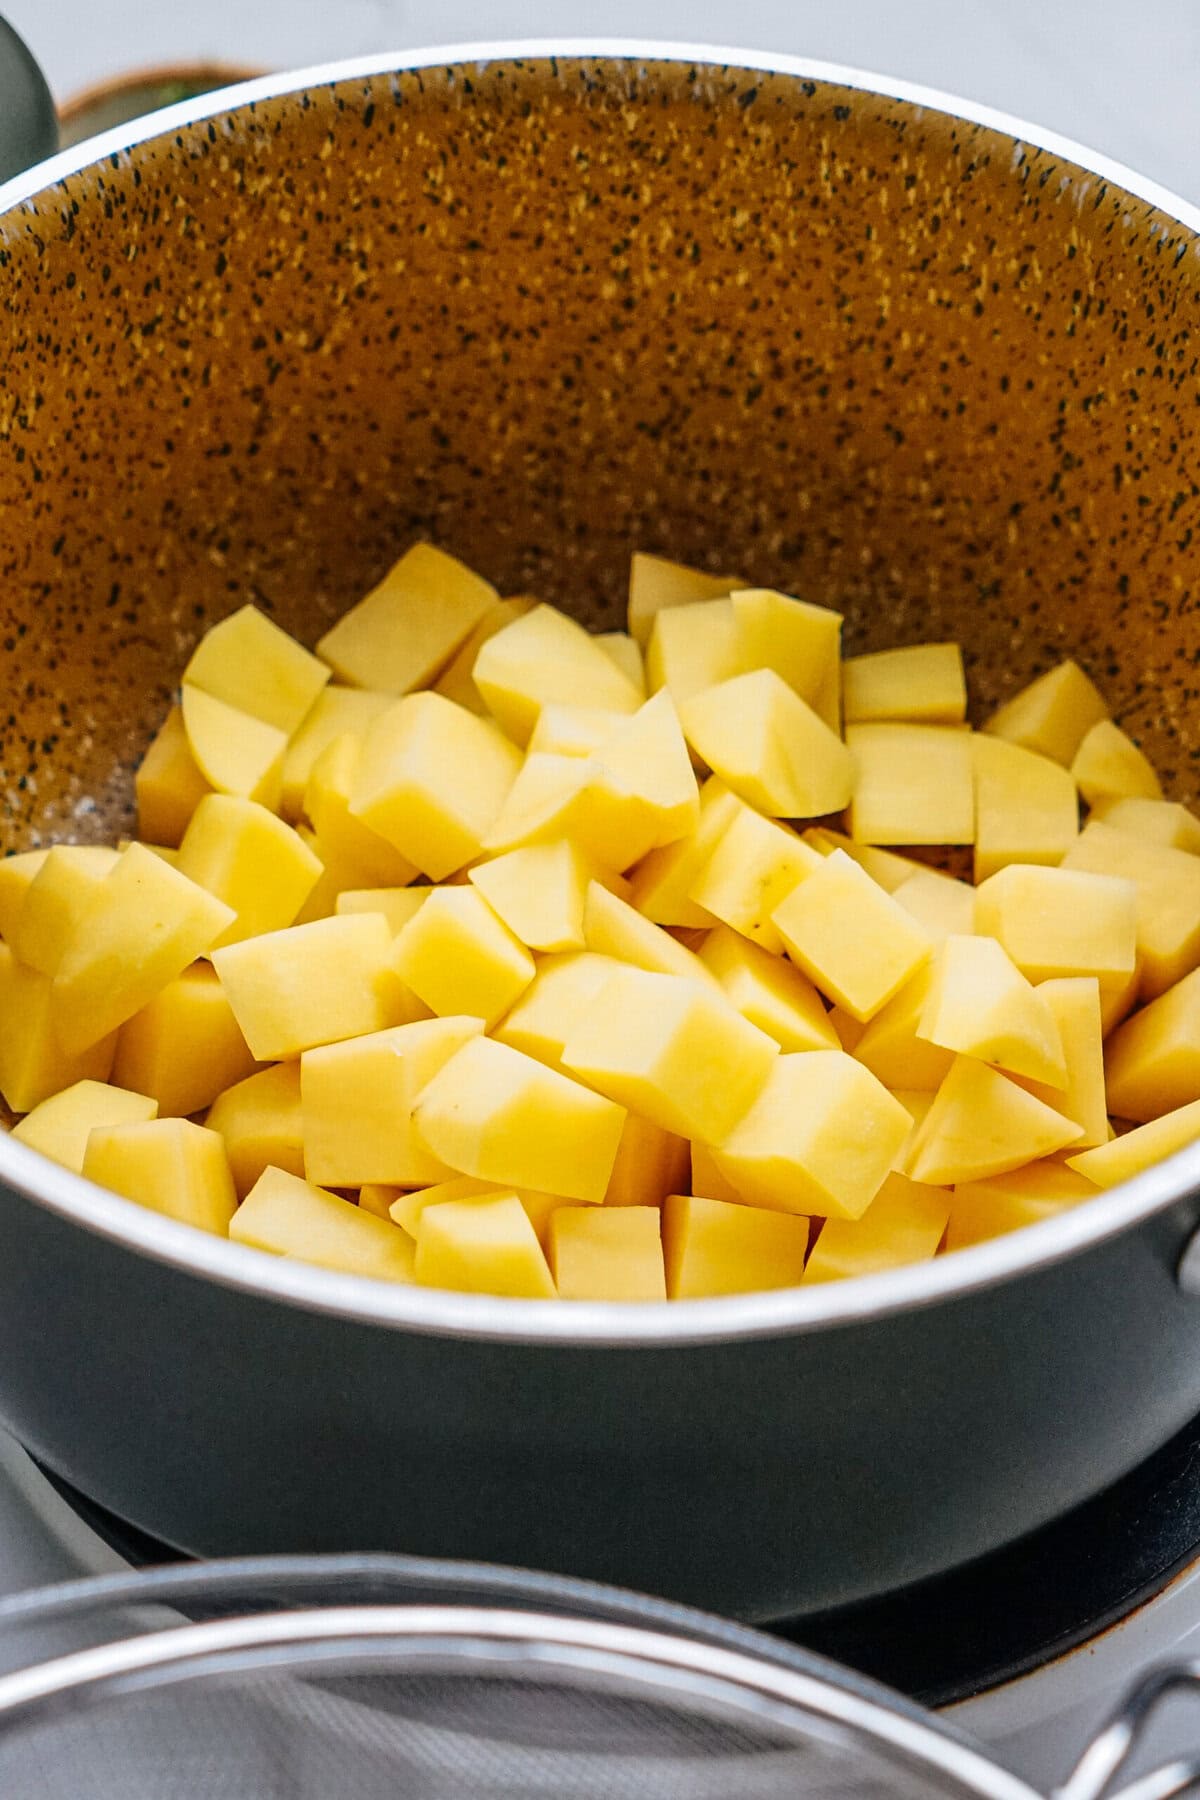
column 480, row 952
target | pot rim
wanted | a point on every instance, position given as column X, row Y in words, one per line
column 436, row 1312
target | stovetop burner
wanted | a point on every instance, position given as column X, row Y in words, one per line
column 953, row 1636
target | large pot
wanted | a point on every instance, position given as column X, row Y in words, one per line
column 545, row 307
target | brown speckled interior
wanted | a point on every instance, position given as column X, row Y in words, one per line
column 546, row 311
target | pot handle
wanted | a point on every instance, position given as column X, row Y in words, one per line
column 28, row 121
column 1114, row 1743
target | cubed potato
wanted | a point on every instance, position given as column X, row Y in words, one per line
column 626, row 653
column 655, row 584
column 979, row 1004
column 1075, row 1004
column 1168, row 884
column 916, row 1103
column 850, row 938
column 458, row 956
column 168, row 784
column 923, row 683
column 406, row 1209
column 499, row 1115
column 546, row 1013
column 802, row 643
column 314, row 984
column 262, row 1124
column 903, row 1224
column 251, row 860
column 33, row 1062
column 771, row 993
column 662, row 881
column 1026, row 807
column 941, row 906
column 769, row 746
column 1058, row 922
column 251, row 664
column 234, row 752
column 598, row 1254
column 482, row 1246
column 56, row 902
column 336, row 712
column 849, row 1030
column 184, row 1047
column 891, row 1047
column 820, row 1138
column 1124, row 1157
column 691, row 648
column 707, row 1179
column 1162, row 821
column 712, row 1247
column 883, row 866
column 287, row 1216
column 168, row 1165
column 611, row 927
column 60, row 1126
column 1119, row 996
column 572, row 730
column 457, row 680
column 1052, row 715
column 542, row 657
column 646, row 757
column 539, row 893
column 754, row 866
column 409, row 626
column 671, row 1049
column 915, row 784
column 982, row 1124
column 1153, row 1059
column 357, row 1099
column 651, row 1163
column 981, row 1210
column 17, row 875
column 353, row 854
column 397, row 904
column 1109, row 766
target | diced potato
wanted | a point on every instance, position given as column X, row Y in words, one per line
column 33, row 1063
column 849, row 1030
column 357, row 1099
column 889, row 1045
column 406, row 1208
column 168, row 784
column 982, row 1124
column 314, row 984
column 611, row 927
column 712, row 1247
column 503, row 1117
column 646, row 757
column 771, row 993
column 597, row 1254
column 483, row 1246
column 547, row 1012
column 184, row 1047
column 903, row 1224
column 57, row 901
column 234, row 752
column 799, row 641
column 1075, row 1004
column 353, row 854
column 459, row 957
column 251, row 664
column 753, row 868
column 942, row 906
column 251, row 860
column 543, row 657
column 1168, row 884
column 1153, row 1059
column 539, row 893
column 692, row 647
column 1124, row 1157
column 979, row 1004
column 397, row 904
column 572, row 730
column 916, row 1103
column 60, row 1126
column 1162, row 821
column 981, row 1210
column 168, row 1165
column 656, row 584
column 287, row 1216
column 651, row 1163
column 262, row 1124
column 1026, row 807
column 1052, row 715
column 820, row 1138
column 769, row 746
column 662, row 881
column 1109, row 766
column 883, row 866
column 335, row 713
column 708, row 1180
column 672, row 1050
column 17, row 874
column 409, row 626
column 850, row 938
column 626, row 653
column 1056, row 922
column 1119, row 996
column 915, row 784
column 923, row 683
column 457, row 680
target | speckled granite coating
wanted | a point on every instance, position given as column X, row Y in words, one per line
column 545, row 312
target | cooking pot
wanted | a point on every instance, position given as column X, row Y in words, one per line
column 544, row 304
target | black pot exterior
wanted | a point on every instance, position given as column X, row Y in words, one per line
column 28, row 124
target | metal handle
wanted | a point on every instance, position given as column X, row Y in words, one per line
column 1120, row 1735
column 28, row 121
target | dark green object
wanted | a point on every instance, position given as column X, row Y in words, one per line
column 28, row 123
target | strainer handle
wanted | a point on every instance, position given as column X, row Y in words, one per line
column 1125, row 1728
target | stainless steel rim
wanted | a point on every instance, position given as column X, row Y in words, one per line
column 432, row 1311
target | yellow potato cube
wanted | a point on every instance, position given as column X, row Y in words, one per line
column 457, row 680
column 596, row 1254
column 611, row 927
column 547, row 1012
column 33, row 1063
column 235, row 752
column 397, row 904
column 1118, row 996
column 144, row 925
column 979, row 1004
column 672, row 1050
column 409, row 626
column 538, row 892
column 313, row 984
column 1124, row 1157
column 289, row 1217
column 184, row 1047
column 692, row 647
column 851, row 938
column 573, row 730
column 651, row 1163
column 168, row 784
column 916, row 1104
column 800, row 642
column 662, row 881
column 903, row 1224
column 251, row 860
column 482, row 1246
column 1168, row 884
column 56, row 902
column 1055, row 922
column 980, row 1210
column 656, row 584
column 459, row 957
column 1109, row 766
column 17, row 875
column 1075, row 1004
column 915, row 784
column 923, row 683
column 1052, row 715
column 1162, row 821
column 351, row 852
column 60, row 1126
column 982, row 1124
column 883, row 866
column 503, row 1117
column 357, row 1099
column 646, row 758
column 771, row 993
column 335, row 713
column 378, row 1198
column 168, row 1165
column 820, row 1138
column 769, row 746
column 1153, row 1060
column 626, row 653
column 546, row 657
column 891, row 1047
column 405, row 1209
column 753, row 868
column 942, row 906
column 1026, row 807
column 712, row 1247
column 708, row 1180
column 432, row 780
column 251, row 664
column 262, row 1124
